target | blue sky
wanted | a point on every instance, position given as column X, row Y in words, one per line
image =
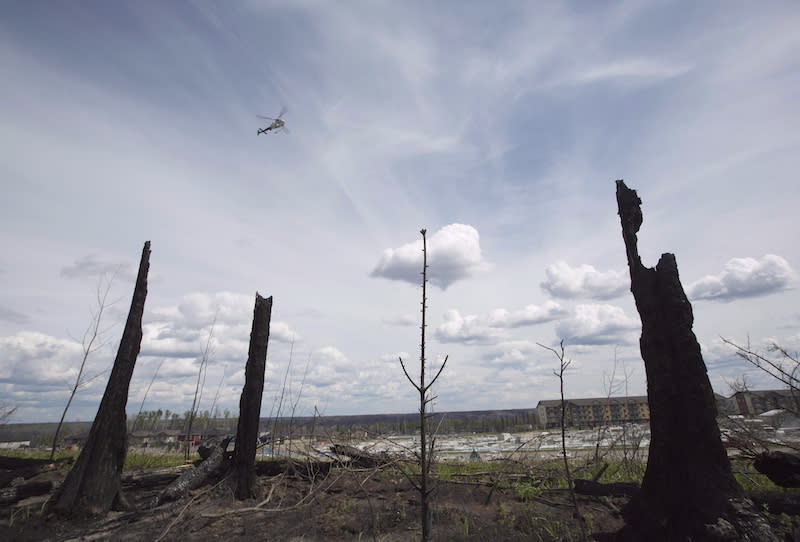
column 500, row 129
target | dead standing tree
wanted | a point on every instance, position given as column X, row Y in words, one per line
column 93, row 485
column 250, row 402
column 425, row 448
column 688, row 489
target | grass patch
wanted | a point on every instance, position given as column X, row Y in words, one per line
column 140, row 460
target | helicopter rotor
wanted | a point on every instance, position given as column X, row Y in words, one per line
column 283, row 111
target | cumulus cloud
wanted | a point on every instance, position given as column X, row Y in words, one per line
column 598, row 324
column 567, row 282
column 35, row 358
column 745, row 277
column 529, row 315
column 91, row 266
column 180, row 331
column 516, row 354
column 474, row 329
column 454, row 253
column 466, row 329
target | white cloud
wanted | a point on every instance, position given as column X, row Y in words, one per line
column 454, row 253
column 181, row 331
column 567, row 282
column 35, row 358
column 745, row 277
column 629, row 71
column 517, row 354
column 474, row 329
column 529, row 315
column 466, row 329
column 598, row 324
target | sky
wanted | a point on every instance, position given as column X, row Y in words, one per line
column 500, row 128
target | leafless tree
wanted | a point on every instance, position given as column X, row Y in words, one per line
column 783, row 367
column 750, row 438
column 94, row 338
column 208, row 351
column 564, row 364
column 426, row 446
column 147, row 391
column 214, row 408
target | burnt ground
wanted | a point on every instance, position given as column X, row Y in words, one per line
column 347, row 504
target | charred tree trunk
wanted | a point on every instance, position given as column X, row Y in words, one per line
column 93, row 485
column 195, row 476
column 250, row 402
column 688, row 485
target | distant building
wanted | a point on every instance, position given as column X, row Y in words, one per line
column 592, row 412
column 15, row 444
column 753, row 403
column 152, row 438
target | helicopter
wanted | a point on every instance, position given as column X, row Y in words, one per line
column 277, row 123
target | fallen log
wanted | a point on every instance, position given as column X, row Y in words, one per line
column 194, row 477
column 10, row 495
column 25, row 468
column 303, row 469
column 13, row 463
column 615, row 489
column 781, row 468
column 360, row 458
column 150, row 478
column 776, row 502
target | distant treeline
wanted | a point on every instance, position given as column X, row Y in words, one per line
column 475, row 421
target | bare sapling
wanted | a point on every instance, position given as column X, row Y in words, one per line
column 783, row 368
column 146, row 392
column 214, row 408
column 208, row 351
column 613, row 387
column 564, row 364
column 94, row 338
column 426, row 447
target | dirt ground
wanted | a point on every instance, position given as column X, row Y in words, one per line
column 347, row 504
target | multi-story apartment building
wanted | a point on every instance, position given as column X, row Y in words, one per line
column 753, row 403
column 592, row 412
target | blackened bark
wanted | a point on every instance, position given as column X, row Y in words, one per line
column 93, row 485
column 250, row 402
column 688, row 483
column 195, row 476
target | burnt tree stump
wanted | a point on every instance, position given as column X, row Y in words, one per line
column 250, row 402
column 93, row 486
column 688, row 485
